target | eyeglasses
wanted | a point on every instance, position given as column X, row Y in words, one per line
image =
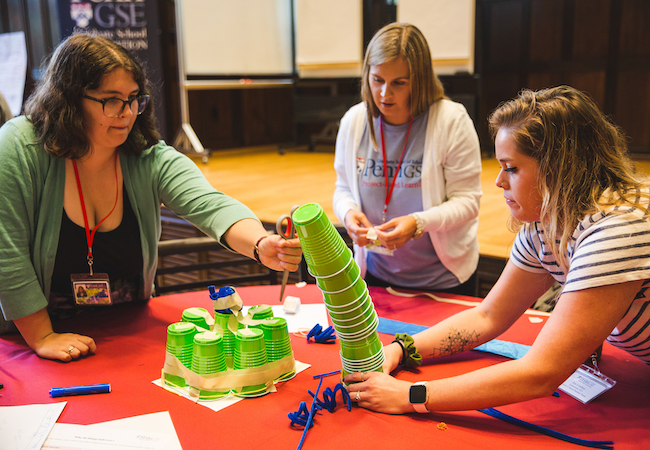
column 113, row 107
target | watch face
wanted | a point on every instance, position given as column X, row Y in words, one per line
column 418, row 393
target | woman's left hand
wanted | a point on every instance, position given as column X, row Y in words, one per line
column 396, row 232
column 279, row 254
column 379, row 392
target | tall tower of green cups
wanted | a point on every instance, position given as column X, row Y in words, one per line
column 345, row 293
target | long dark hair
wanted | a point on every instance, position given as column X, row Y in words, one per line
column 77, row 65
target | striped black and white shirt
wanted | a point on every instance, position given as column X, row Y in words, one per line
column 606, row 248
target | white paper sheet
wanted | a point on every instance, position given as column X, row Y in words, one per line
column 306, row 317
column 25, row 427
column 92, row 437
column 218, row 405
column 160, row 422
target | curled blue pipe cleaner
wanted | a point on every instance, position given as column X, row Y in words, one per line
column 547, row 431
column 321, row 336
column 301, row 416
column 329, row 398
column 306, row 419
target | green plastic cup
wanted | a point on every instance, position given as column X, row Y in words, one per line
column 352, row 311
column 276, row 339
column 221, row 319
column 250, row 352
column 371, row 364
column 191, row 315
column 209, row 358
column 323, row 247
column 343, row 280
column 362, row 349
column 358, row 334
column 180, row 343
column 346, row 296
column 208, row 345
column 260, row 312
column 356, row 324
column 249, row 340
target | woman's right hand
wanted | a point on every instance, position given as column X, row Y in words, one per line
column 64, row 346
column 357, row 226
column 37, row 331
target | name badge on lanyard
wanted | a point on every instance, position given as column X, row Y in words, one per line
column 92, row 288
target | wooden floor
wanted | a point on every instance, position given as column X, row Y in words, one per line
column 270, row 183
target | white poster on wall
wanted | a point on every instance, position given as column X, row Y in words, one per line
column 329, row 38
column 448, row 27
column 13, row 69
column 235, row 38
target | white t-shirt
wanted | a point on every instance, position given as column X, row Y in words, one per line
column 606, row 248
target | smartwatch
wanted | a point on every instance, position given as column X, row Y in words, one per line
column 418, row 396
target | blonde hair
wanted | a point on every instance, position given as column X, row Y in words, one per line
column 581, row 156
column 406, row 41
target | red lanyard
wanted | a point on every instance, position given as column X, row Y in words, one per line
column 90, row 235
column 389, row 191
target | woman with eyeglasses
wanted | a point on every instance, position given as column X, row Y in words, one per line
column 82, row 175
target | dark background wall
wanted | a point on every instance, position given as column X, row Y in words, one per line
column 599, row 46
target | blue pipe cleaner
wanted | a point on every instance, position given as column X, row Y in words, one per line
column 329, row 398
column 305, row 419
column 222, row 292
column 547, row 431
column 321, row 336
column 301, row 416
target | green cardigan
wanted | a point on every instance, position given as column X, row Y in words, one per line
column 31, row 207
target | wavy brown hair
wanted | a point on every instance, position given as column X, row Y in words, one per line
column 405, row 40
column 581, row 155
column 77, row 65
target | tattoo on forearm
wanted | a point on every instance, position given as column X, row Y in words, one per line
column 456, row 342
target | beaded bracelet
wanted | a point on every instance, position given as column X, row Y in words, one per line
column 419, row 227
column 256, row 249
column 410, row 356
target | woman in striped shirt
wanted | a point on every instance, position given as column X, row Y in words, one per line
column 565, row 174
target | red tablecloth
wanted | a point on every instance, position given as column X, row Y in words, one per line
column 131, row 352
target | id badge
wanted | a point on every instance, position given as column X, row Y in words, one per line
column 92, row 289
column 586, row 384
column 375, row 246
column 378, row 248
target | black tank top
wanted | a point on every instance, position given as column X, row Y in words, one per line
column 117, row 252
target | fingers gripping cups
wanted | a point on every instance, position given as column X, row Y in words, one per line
column 345, row 293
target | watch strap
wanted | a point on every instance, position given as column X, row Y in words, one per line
column 422, row 407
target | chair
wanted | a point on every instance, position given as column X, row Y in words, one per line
column 189, row 261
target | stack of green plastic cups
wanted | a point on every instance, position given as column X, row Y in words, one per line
column 180, row 343
column 345, row 293
column 221, row 318
column 260, row 312
column 196, row 316
column 278, row 343
column 208, row 358
column 250, row 352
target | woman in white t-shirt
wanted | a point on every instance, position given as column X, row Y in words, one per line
column 408, row 165
column 565, row 174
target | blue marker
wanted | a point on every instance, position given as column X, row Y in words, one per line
column 81, row 390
